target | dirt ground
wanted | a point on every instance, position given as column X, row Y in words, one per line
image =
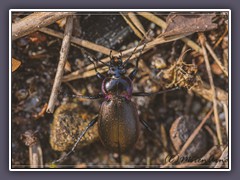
column 173, row 117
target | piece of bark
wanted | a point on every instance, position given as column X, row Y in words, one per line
column 35, row 21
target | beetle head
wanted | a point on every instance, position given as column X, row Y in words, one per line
column 116, row 67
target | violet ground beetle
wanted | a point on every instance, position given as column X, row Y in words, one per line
column 118, row 121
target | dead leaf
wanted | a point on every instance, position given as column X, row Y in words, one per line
column 61, row 23
column 15, row 64
column 187, row 24
column 42, row 112
column 67, row 67
column 216, row 69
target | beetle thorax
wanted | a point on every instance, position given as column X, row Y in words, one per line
column 117, row 87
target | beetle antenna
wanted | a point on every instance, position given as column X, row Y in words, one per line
column 146, row 37
column 90, row 58
column 126, row 62
column 106, row 64
column 138, row 58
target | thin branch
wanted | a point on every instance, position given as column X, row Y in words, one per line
column 219, row 63
column 208, row 67
column 62, row 61
column 222, row 159
column 225, row 108
column 221, row 38
column 35, row 21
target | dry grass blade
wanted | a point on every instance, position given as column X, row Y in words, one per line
column 136, row 22
column 135, row 30
column 190, row 139
column 35, row 21
column 210, row 50
column 212, row 134
column 62, row 61
column 225, row 108
column 77, row 75
column 208, row 67
column 221, row 38
column 195, row 132
column 156, row 20
column 222, row 159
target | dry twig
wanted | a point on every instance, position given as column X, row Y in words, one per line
column 221, row 38
column 208, row 67
column 225, row 108
column 35, row 21
column 210, row 50
column 62, row 61
column 222, row 159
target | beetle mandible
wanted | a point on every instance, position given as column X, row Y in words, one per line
column 118, row 121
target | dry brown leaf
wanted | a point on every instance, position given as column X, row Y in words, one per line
column 15, row 64
column 67, row 66
column 187, row 24
column 61, row 23
column 42, row 112
column 216, row 69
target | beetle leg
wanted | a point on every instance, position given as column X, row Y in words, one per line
column 145, row 124
column 99, row 96
column 78, row 140
column 133, row 73
column 153, row 93
column 93, row 60
column 99, row 75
